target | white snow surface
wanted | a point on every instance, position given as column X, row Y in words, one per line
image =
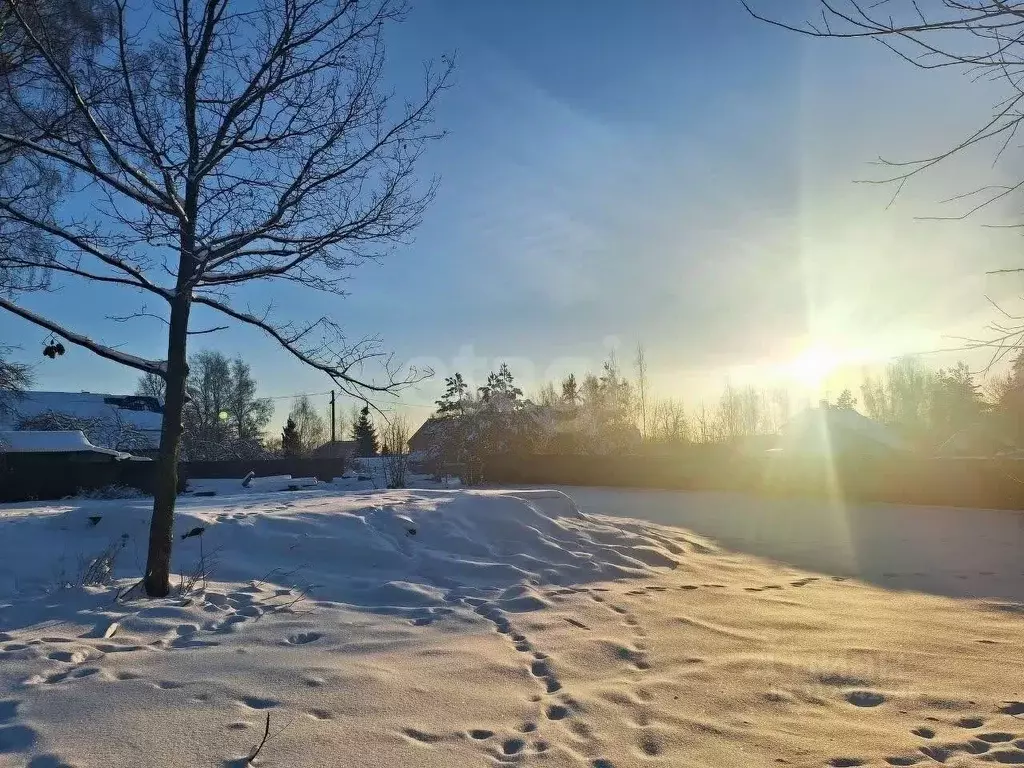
column 459, row 627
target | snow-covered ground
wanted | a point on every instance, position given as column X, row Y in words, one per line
column 447, row 627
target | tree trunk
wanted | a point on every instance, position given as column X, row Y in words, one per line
column 158, row 562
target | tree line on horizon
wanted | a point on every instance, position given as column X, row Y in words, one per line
column 611, row 412
column 224, row 419
column 600, row 413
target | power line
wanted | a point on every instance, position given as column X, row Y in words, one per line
column 360, row 399
column 296, row 394
column 93, row 397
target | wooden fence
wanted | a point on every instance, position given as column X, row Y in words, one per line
column 47, row 476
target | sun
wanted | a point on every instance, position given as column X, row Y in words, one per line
column 812, row 366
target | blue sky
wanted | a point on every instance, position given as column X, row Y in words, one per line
column 673, row 173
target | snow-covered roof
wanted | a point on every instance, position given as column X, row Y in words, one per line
column 816, row 429
column 142, row 415
column 71, row 441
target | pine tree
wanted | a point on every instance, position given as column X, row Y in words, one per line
column 454, row 398
column 570, row 390
column 501, row 385
column 290, row 443
column 365, row 434
column 846, row 401
column 956, row 402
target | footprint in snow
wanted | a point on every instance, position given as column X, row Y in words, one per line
column 557, row 712
column 865, row 698
column 70, row 657
column 512, row 746
column 255, row 702
column 423, row 737
column 649, row 744
column 303, row 638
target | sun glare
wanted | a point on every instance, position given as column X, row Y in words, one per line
column 812, row 366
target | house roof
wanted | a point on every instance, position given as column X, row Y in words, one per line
column 335, row 448
column 71, row 441
column 428, row 431
column 142, row 414
column 820, row 429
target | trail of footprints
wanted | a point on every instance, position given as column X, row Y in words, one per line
column 996, row 746
column 557, row 706
column 639, row 660
column 77, row 658
column 527, row 740
column 988, row 744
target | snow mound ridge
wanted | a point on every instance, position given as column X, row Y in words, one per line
column 410, row 548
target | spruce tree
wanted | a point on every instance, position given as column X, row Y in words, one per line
column 290, row 443
column 365, row 435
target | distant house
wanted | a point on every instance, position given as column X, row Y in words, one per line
column 55, row 464
column 829, row 431
column 118, row 422
column 336, row 449
column 426, row 440
column 989, row 436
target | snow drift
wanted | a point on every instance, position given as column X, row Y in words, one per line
column 449, row 629
column 376, row 549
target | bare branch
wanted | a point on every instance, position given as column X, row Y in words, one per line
column 983, row 37
column 331, row 354
column 108, row 353
column 157, row 200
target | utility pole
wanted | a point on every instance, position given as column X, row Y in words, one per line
column 334, row 434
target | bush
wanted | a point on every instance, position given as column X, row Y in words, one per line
column 99, row 571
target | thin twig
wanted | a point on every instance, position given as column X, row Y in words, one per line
column 259, row 747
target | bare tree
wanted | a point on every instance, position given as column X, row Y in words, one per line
column 669, row 424
column 229, row 144
column 982, row 38
column 151, row 385
column 547, row 396
column 395, row 450
column 310, row 426
column 15, row 378
column 249, row 414
column 641, row 387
